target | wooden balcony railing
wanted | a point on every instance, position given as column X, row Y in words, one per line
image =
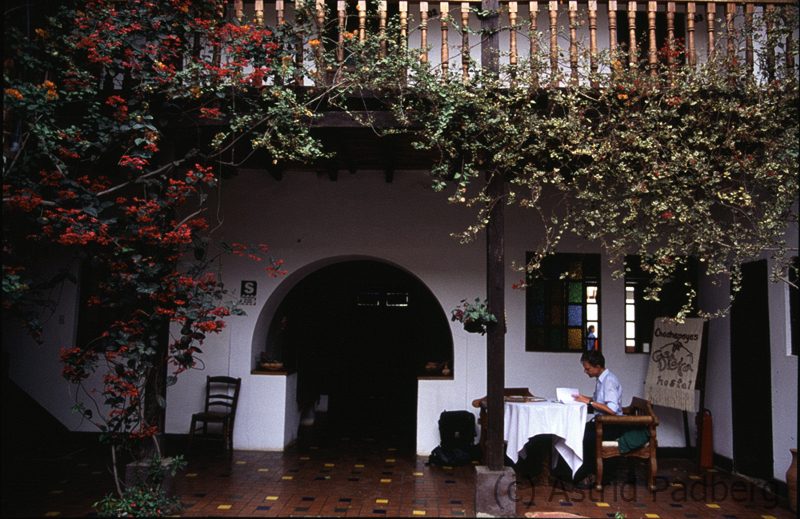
column 570, row 34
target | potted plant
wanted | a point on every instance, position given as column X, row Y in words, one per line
column 475, row 316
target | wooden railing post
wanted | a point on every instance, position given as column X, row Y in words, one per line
column 652, row 46
column 403, row 8
column 341, row 16
column 730, row 32
column 382, row 16
column 612, row 26
column 465, row 41
column 553, row 42
column 593, row 37
column 711, row 20
column 238, row 10
column 444, row 20
column 671, row 51
column 279, row 12
column 362, row 20
column 770, row 29
column 259, row 13
column 573, row 41
column 512, row 40
column 691, row 11
column 298, row 53
column 319, row 50
column 533, row 36
column 748, row 37
column 423, row 31
column 633, row 49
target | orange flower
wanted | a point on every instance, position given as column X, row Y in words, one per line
column 348, row 35
column 622, row 97
column 13, row 92
column 314, row 42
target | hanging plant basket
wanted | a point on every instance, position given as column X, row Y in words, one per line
column 475, row 327
column 474, row 316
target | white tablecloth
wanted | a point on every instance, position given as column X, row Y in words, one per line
column 566, row 421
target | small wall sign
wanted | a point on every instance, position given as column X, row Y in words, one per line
column 248, row 292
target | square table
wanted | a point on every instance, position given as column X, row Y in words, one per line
column 523, row 420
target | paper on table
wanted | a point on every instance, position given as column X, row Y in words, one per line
column 564, row 394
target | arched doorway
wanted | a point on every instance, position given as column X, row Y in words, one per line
column 359, row 333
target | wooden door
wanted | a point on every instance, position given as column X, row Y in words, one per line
column 751, row 379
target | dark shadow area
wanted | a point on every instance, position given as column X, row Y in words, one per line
column 359, row 334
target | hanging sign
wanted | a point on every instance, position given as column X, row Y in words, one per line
column 248, row 293
column 674, row 361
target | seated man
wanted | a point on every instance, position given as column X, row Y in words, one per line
column 606, row 400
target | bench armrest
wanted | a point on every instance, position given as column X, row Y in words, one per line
column 624, row 420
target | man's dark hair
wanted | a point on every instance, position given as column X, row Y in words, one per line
column 594, row 357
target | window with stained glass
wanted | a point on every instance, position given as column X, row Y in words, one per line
column 561, row 302
column 640, row 313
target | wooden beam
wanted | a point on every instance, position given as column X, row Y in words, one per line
column 495, row 264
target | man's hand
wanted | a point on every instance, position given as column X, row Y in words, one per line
column 582, row 398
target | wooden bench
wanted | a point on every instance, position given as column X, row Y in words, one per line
column 637, row 415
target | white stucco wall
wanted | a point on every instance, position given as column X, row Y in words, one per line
column 405, row 224
column 310, row 221
column 783, row 369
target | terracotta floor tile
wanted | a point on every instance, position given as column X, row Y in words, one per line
column 348, row 479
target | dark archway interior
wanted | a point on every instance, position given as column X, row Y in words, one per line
column 361, row 333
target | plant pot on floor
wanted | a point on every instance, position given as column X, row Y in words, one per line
column 138, row 473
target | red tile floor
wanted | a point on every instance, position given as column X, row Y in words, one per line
column 363, row 477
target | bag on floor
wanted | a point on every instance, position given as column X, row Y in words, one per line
column 457, row 430
column 449, row 457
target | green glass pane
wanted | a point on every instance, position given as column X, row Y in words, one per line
column 575, row 292
column 574, row 338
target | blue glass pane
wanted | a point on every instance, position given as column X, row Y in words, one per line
column 574, row 315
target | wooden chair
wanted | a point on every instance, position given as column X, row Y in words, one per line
column 222, row 397
column 639, row 414
column 480, row 403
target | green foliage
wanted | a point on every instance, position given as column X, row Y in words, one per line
column 145, row 498
column 138, row 501
column 475, row 316
column 665, row 163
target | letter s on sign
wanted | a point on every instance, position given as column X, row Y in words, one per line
column 249, row 288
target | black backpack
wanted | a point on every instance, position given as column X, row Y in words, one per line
column 457, row 431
